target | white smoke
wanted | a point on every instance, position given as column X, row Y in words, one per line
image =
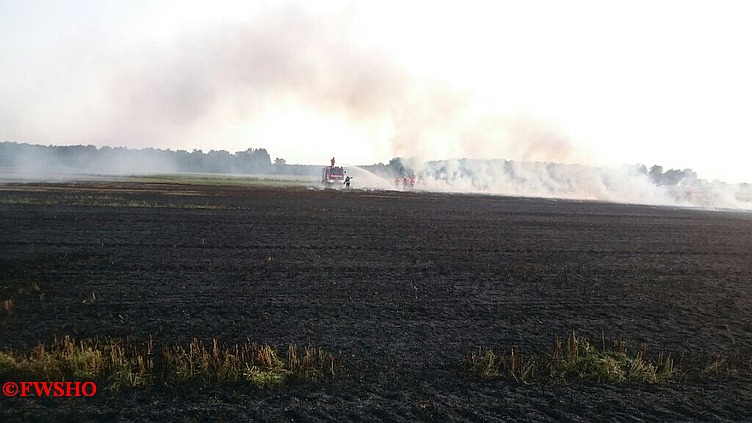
column 190, row 91
column 626, row 184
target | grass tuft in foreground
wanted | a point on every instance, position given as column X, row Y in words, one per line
column 118, row 363
column 577, row 360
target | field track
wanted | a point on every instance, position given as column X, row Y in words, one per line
column 401, row 285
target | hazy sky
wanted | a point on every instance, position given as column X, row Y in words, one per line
column 594, row 82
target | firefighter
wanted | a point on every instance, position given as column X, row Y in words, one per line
column 347, row 182
column 397, row 182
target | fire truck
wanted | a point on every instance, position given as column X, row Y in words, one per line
column 333, row 175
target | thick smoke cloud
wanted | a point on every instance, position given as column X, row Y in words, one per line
column 625, row 184
column 235, row 74
column 520, row 136
column 181, row 94
column 188, row 91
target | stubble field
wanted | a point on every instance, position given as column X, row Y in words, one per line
column 401, row 286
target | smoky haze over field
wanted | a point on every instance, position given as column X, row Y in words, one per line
column 197, row 87
column 630, row 184
column 625, row 184
column 226, row 76
column 219, row 82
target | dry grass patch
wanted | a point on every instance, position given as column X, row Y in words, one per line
column 121, row 363
column 576, row 360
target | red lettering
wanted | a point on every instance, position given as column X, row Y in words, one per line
column 93, row 389
column 77, row 389
column 58, row 389
column 59, row 392
column 45, row 387
column 25, row 386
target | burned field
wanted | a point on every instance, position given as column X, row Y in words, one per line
column 401, row 286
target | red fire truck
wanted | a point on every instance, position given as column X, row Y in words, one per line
column 333, row 175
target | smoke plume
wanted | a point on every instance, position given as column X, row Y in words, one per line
column 625, row 184
column 237, row 74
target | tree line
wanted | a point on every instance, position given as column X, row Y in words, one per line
column 88, row 158
column 121, row 160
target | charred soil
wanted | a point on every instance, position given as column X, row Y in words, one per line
column 400, row 285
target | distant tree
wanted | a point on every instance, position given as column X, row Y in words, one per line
column 219, row 162
column 671, row 177
column 196, row 161
column 262, row 159
column 396, row 167
column 244, row 161
column 182, row 161
column 690, row 176
column 656, row 174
